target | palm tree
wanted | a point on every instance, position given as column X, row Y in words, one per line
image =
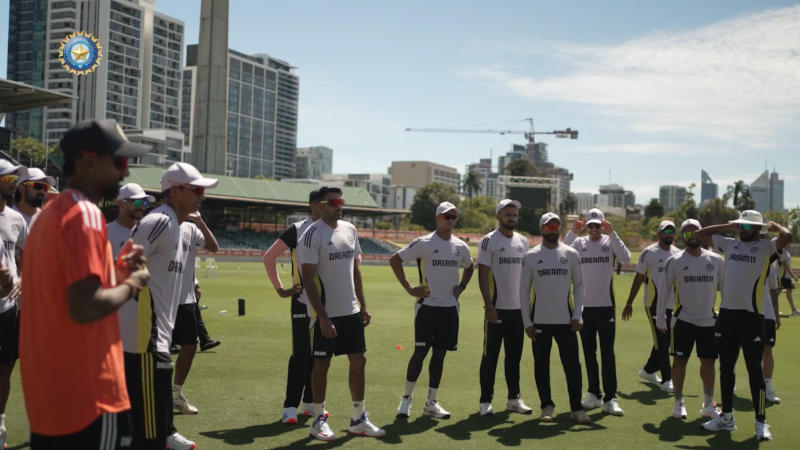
column 472, row 184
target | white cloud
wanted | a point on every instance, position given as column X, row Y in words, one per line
column 652, row 148
column 732, row 81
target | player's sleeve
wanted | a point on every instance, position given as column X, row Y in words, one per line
column 309, row 246
column 665, row 292
column 622, row 252
column 485, row 252
column 569, row 238
column 641, row 265
column 525, row 284
column 721, row 242
column 150, row 232
column 577, row 287
column 773, row 249
column 411, row 251
column 197, row 236
column 466, row 257
column 83, row 247
column 289, row 236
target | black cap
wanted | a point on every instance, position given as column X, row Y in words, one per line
column 103, row 137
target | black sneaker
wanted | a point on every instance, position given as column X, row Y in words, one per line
column 209, row 345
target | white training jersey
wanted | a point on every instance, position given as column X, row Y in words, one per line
column 192, row 240
column 117, row 236
column 773, row 281
column 651, row 264
column 334, row 251
column 547, row 275
column 597, row 262
column 28, row 219
column 437, row 263
column 746, row 271
column 13, row 232
column 146, row 325
column 695, row 280
column 784, row 263
column 503, row 256
column 290, row 237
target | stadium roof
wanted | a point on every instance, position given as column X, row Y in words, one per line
column 16, row 96
column 279, row 195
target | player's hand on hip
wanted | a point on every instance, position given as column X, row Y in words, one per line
column 328, row 330
column 577, row 325
column 491, row 314
column 531, row 332
column 366, row 318
column 419, row 291
column 627, row 312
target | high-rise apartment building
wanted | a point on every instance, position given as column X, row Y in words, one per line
column 313, row 162
column 671, row 196
column 767, row 192
column 708, row 189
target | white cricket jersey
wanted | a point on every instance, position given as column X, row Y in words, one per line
column 192, row 240
column 746, row 271
column 146, row 325
column 334, row 252
column 784, row 262
column 651, row 264
column 695, row 280
column 289, row 237
column 597, row 262
column 13, row 232
column 437, row 263
column 117, row 236
column 28, row 219
column 547, row 275
column 503, row 256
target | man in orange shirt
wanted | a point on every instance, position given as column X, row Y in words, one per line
column 71, row 362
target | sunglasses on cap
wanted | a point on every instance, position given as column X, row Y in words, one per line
column 120, row 162
column 450, row 216
column 10, row 178
column 39, row 186
column 551, row 228
column 335, row 202
column 746, row 226
column 139, row 202
column 689, row 234
column 593, row 225
column 668, row 230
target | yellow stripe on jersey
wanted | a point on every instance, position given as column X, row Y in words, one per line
column 677, row 300
column 492, row 288
column 318, row 284
column 651, row 290
column 295, row 269
column 672, row 343
column 758, row 289
column 423, row 280
column 652, row 329
column 144, row 321
column 570, row 302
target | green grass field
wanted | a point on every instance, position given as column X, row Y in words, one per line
column 239, row 386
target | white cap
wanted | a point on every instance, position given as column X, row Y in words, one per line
column 36, row 174
column 694, row 222
column 6, row 168
column 186, row 174
column 133, row 191
column 665, row 224
column 594, row 215
column 444, row 207
column 750, row 217
column 547, row 217
column 506, row 202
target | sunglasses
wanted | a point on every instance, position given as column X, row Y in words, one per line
column 335, row 202
column 551, row 228
column 450, row 216
column 689, row 234
column 11, row 178
column 668, row 231
column 746, row 226
column 37, row 185
column 593, row 225
column 120, row 162
column 139, row 203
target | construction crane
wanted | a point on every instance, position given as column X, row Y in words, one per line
column 529, row 134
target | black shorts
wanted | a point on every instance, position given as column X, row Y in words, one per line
column 685, row 335
column 770, row 335
column 148, row 377
column 786, row 283
column 349, row 338
column 9, row 336
column 437, row 327
column 110, row 430
column 186, row 328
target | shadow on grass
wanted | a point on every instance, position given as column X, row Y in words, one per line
column 649, row 396
column 723, row 440
column 533, row 429
column 248, row 435
column 403, row 427
column 20, row 446
column 672, row 430
column 462, row 430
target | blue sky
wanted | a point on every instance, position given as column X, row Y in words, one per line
column 658, row 90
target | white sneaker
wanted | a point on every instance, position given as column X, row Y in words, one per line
column 181, row 405
column 518, row 406
column 679, row 411
column 611, row 407
column 710, row 411
column 668, row 387
column 762, row 431
column 548, row 413
column 580, row 417
column 321, row 430
column 404, row 410
column 485, row 409
column 796, row 312
column 289, row 415
column 363, row 427
column 720, row 423
column 177, row 442
column 773, row 397
column 3, row 436
column 650, row 378
column 435, row 410
column 592, row 401
column 308, row 410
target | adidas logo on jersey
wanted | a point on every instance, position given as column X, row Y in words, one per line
column 685, row 267
column 540, row 262
column 757, row 339
column 330, row 243
column 503, row 249
column 436, row 250
column 611, row 320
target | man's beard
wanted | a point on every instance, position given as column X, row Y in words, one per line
column 693, row 244
column 36, row 201
column 510, row 225
column 551, row 238
column 749, row 236
column 667, row 240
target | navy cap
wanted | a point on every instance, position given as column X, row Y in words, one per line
column 103, row 137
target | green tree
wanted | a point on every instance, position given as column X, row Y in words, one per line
column 790, row 219
column 423, row 209
column 739, row 195
column 568, row 205
column 686, row 210
column 653, row 209
column 520, row 168
column 29, row 150
column 715, row 212
column 472, row 184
